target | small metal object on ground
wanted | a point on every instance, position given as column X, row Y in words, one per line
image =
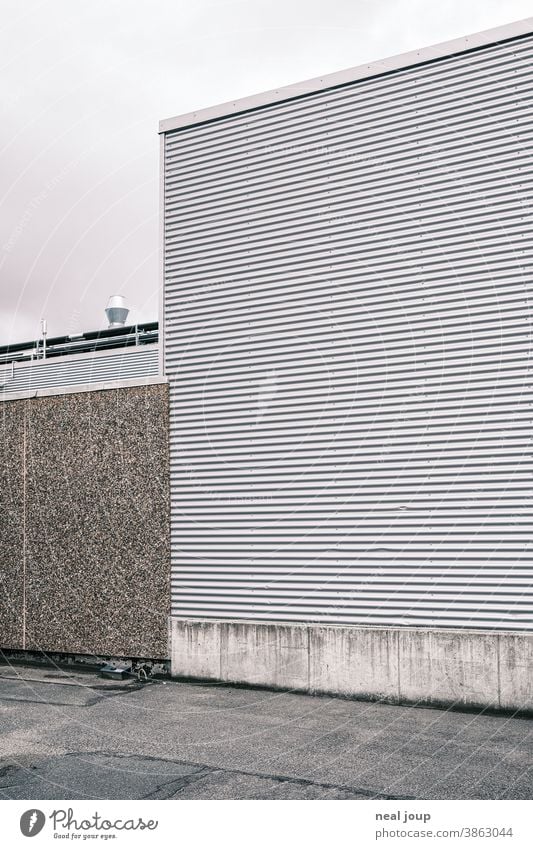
column 116, row 672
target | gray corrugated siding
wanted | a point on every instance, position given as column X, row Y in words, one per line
column 117, row 364
column 347, row 338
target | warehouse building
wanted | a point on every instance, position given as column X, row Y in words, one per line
column 347, row 276
column 320, row 476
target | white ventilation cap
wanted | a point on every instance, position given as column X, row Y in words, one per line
column 116, row 311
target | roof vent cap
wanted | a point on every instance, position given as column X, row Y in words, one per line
column 116, row 311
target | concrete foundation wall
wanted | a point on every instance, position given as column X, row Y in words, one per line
column 454, row 668
column 84, row 522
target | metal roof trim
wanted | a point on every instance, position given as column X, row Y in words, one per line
column 77, row 388
column 467, row 43
column 123, row 351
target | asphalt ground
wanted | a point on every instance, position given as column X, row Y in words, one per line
column 73, row 735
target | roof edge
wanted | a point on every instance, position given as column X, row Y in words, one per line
column 464, row 44
column 79, row 388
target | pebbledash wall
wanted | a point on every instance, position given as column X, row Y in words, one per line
column 84, row 508
column 347, row 338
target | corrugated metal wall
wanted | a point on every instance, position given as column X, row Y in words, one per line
column 347, row 337
column 117, row 364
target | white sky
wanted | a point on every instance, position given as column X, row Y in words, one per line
column 82, row 88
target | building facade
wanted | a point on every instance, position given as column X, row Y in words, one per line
column 347, row 338
column 320, row 478
column 84, row 497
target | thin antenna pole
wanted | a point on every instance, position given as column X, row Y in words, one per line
column 43, row 332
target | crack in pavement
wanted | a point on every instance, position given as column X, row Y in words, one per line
column 42, row 702
column 176, row 784
column 307, row 782
column 173, row 785
column 281, row 778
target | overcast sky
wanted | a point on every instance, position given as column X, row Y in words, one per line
column 82, row 88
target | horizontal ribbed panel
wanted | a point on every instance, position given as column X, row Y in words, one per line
column 118, row 364
column 348, row 302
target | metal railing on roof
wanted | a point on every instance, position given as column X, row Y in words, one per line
column 99, row 340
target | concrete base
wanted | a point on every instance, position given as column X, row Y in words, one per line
column 475, row 669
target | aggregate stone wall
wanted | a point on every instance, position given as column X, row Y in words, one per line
column 84, row 522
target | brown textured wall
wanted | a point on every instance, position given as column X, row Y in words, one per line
column 92, row 555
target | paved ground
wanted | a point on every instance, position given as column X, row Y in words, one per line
column 74, row 736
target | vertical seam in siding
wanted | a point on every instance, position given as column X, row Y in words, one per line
column 24, row 514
